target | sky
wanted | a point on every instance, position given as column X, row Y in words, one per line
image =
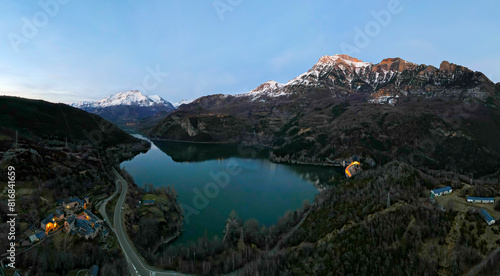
column 69, row 51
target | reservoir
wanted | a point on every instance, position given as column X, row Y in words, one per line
column 214, row 179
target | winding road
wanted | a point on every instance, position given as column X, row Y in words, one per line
column 137, row 265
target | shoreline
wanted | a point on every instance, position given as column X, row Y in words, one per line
column 292, row 162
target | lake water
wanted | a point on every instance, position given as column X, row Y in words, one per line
column 212, row 180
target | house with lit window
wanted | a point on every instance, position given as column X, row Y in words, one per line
column 92, row 217
column 48, row 223
column 75, row 202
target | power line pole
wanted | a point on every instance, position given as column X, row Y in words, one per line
column 388, row 200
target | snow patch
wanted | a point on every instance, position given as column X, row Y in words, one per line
column 177, row 104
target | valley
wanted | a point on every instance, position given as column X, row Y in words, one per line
column 332, row 169
column 248, row 138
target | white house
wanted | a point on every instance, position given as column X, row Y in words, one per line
column 480, row 199
column 442, row 191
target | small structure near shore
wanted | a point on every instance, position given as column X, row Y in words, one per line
column 148, row 202
column 442, row 191
column 353, row 169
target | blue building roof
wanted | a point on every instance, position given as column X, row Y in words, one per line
column 82, row 223
column 71, row 219
column 93, row 270
column 148, row 202
column 480, row 198
column 82, row 231
column 440, row 190
column 74, row 199
column 40, row 235
column 84, row 226
column 486, row 215
column 48, row 218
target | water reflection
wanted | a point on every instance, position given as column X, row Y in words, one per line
column 262, row 190
column 198, row 152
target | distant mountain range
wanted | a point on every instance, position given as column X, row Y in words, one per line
column 343, row 106
column 127, row 108
column 391, row 77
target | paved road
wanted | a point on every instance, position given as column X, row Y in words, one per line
column 102, row 209
column 136, row 264
column 285, row 237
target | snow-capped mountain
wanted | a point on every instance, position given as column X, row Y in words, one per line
column 177, row 104
column 334, row 110
column 318, row 76
column 392, row 77
column 127, row 108
column 129, row 98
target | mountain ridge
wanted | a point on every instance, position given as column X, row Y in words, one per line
column 334, row 111
column 125, row 109
column 131, row 97
column 352, row 73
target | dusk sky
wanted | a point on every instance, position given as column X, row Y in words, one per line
column 88, row 50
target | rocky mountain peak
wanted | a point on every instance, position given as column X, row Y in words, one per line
column 267, row 86
column 334, row 58
column 446, row 66
column 393, row 64
column 341, row 60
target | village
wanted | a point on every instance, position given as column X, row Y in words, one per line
column 72, row 216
